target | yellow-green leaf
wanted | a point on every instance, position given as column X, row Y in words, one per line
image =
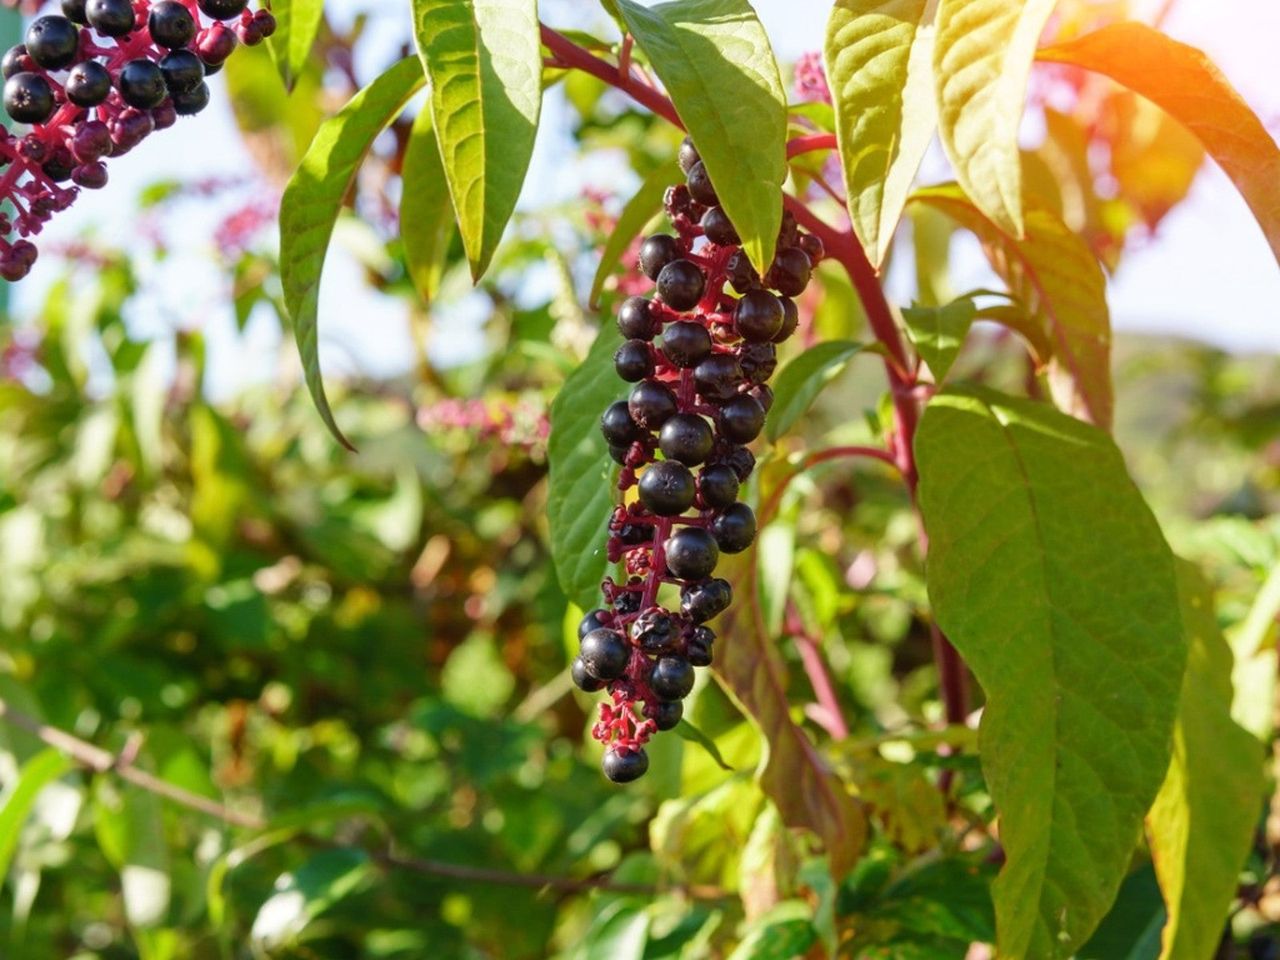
column 938, row 332
column 313, row 198
column 1059, row 280
column 484, row 59
column 297, row 23
column 982, row 59
column 426, row 215
column 1201, row 826
column 1049, row 573
column 879, row 58
column 1187, row 84
column 714, row 58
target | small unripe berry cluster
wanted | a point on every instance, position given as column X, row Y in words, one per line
column 699, row 358
column 94, row 82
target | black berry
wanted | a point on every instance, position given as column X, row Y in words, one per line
column 617, row 426
column 633, row 361
column 171, row 25
column 686, row 437
column 191, row 101
column 635, row 322
column 741, row 460
column 88, row 84
column 583, row 680
column 672, row 678
column 655, row 631
column 685, row 343
column 623, row 765
column 28, row 98
column 718, row 485
column 812, row 247
column 73, row 10
column 651, row 404
column 735, row 528
column 687, row 156
column 680, row 285
column 741, row 274
column 656, row 252
column 592, row 621
column 718, row 377
column 111, row 18
column 790, row 272
column 222, row 9
column 717, row 228
column 667, row 714
column 15, row 61
column 758, row 361
column 691, row 553
column 52, row 42
column 758, row 316
column 741, row 418
column 604, row 654
column 667, row 488
column 702, row 601
column 700, row 187
column 183, row 71
column 141, row 84
column 698, row 649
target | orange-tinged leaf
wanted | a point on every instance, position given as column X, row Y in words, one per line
column 1055, row 274
column 1187, row 84
column 794, row 774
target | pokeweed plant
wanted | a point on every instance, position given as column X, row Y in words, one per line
column 1106, row 733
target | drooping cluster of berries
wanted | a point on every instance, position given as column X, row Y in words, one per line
column 699, row 358
column 94, row 82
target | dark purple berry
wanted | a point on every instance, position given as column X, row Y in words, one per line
column 700, row 187
column 651, row 404
column 718, row 377
column 265, row 22
column 73, row 10
column 52, row 42
column 790, row 272
column 717, row 228
column 130, row 128
column 763, row 394
column 687, row 156
column 686, row 437
column 59, row 165
column 758, row 361
column 758, row 316
column 735, row 528
column 634, row 534
column 741, row 274
column 15, row 61
column 92, row 141
column 672, row 678
column 790, row 319
column 171, row 24
column 165, row 116
column 214, row 45
column 686, row 343
column 28, row 98
column 222, row 9
column 741, row 418
column 635, row 321
column 624, row 764
column 618, row 453
column 691, row 553
column 628, row 602
column 583, row 680
column 617, row 426
column 141, row 84
column 812, row 247
column 655, row 632
column 111, row 18
column 591, row 622
column 681, row 284
column 633, row 361
column 698, row 648
column 666, row 714
column 656, row 252
column 667, row 488
column 604, row 654
column 183, row 71
column 741, row 460
column 718, row 486
column 702, row 601
column 88, row 84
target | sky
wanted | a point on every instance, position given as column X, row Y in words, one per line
column 1209, row 275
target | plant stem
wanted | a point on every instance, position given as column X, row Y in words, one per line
column 828, row 714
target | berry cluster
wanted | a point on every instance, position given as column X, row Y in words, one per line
column 93, row 83
column 699, row 358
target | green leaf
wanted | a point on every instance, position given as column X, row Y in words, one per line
column 426, row 213
column 581, row 492
column 687, row 731
column 1049, row 573
column 800, row 381
column 1055, row 274
column 484, row 59
column 982, row 59
column 1201, row 825
column 36, row 774
column 300, row 897
column 783, row 933
column 794, row 774
column 297, row 23
column 129, row 823
column 313, row 198
column 939, row 332
column 879, row 57
column 639, row 210
column 714, row 58
column 1187, row 84
column 1131, row 931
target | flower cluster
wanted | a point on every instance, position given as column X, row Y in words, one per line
column 699, row 358
column 93, row 82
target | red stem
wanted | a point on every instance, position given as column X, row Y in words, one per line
column 828, row 714
column 811, row 143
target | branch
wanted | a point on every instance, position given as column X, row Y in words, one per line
column 121, row 765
